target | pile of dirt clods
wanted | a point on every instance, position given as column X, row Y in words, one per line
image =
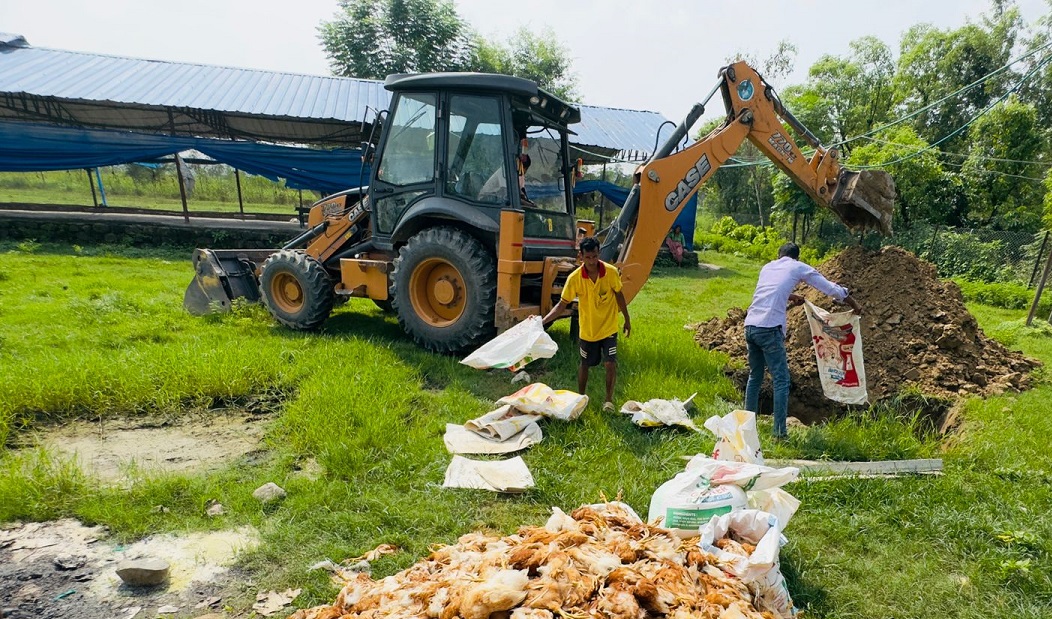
column 915, row 331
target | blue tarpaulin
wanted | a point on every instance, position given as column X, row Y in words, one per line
column 618, row 195
column 31, row 147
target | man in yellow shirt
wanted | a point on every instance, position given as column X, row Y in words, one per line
column 597, row 287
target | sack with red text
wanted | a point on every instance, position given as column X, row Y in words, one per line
column 837, row 340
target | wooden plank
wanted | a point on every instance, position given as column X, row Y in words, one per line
column 820, row 468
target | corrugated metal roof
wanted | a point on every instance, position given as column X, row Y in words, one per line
column 96, row 90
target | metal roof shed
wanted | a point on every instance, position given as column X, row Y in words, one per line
column 183, row 99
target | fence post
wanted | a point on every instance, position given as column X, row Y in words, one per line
column 931, row 245
column 1037, row 261
column 240, row 200
column 182, row 187
column 91, row 183
column 1040, row 288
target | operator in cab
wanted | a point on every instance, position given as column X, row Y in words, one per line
column 597, row 287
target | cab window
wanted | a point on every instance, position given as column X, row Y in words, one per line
column 475, row 150
column 409, row 154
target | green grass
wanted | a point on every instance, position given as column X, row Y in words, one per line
column 101, row 332
column 213, row 193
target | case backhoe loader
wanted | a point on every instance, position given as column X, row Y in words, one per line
column 467, row 225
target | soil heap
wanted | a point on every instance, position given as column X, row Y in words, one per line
column 915, row 331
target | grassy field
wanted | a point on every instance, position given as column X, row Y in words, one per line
column 212, row 193
column 95, row 333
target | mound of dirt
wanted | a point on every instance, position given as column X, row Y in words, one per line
column 915, row 331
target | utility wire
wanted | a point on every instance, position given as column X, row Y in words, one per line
column 971, row 120
column 1029, row 178
column 963, row 155
column 959, row 91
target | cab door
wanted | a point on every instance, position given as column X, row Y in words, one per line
column 406, row 169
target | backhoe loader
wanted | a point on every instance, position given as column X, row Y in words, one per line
column 467, row 224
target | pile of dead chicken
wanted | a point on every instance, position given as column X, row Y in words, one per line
column 599, row 561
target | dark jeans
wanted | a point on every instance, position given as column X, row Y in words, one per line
column 767, row 351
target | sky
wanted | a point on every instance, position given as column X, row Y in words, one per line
column 661, row 55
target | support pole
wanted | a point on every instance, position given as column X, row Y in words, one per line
column 1040, row 289
column 182, row 187
column 602, row 203
column 91, row 183
column 102, row 190
column 240, row 201
column 1037, row 261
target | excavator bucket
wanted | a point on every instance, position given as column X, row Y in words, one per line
column 865, row 200
column 219, row 278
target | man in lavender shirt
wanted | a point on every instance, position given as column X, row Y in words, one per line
column 765, row 330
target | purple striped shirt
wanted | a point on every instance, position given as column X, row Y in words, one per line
column 777, row 281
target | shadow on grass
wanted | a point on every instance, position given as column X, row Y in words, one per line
column 806, row 594
column 695, row 273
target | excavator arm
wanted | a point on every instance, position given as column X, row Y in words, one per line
column 861, row 200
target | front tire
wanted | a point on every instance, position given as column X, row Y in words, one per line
column 444, row 290
column 296, row 289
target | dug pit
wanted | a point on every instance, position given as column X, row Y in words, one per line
column 916, row 332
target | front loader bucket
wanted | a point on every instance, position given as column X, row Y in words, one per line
column 220, row 277
column 865, row 200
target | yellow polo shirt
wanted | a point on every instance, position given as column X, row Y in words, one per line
column 596, row 303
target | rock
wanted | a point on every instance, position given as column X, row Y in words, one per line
column 68, row 562
column 793, row 422
column 521, row 377
column 143, row 572
column 912, row 374
column 215, row 509
column 159, row 509
column 167, row 610
column 269, row 492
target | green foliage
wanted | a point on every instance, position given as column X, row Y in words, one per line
column 846, row 97
column 1009, row 295
column 726, row 236
column 934, row 63
column 540, row 57
column 917, row 178
column 371, row 39
column 997, row 174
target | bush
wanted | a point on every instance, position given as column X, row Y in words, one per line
column 1007, row 295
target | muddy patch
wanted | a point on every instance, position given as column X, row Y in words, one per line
column 115, row 449
column 65, row 569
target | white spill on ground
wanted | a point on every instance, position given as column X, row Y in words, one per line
column 64, row 563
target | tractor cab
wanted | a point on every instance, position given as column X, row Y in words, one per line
column 461, row 147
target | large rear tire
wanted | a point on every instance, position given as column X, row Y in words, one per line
column 444, row 287
column 296, row 289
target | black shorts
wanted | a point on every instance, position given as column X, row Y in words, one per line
column 591, row 352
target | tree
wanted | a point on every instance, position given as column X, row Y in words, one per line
column 1000, row 170
column 935, row 63
column 1038, row 89
column 538, row 57
column 372, row 39
column 846, row 96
